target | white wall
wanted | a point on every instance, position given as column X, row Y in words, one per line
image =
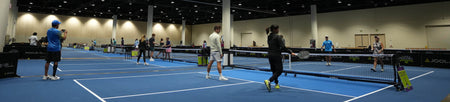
column 85, row 29
column 404, row 26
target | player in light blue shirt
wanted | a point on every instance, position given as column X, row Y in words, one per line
column 54, row 37
column 329, row 47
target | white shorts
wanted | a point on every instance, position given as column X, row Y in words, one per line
column 215, row 56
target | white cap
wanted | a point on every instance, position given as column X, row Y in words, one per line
column 326, row 36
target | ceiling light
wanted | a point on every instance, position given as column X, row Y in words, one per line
column 130, row 3
column 53, row 11
column 129, row 18
column 167, row 16
column 196, row 11
column 65, row 1
column 155, row 6
column 28, row 10
column 212, row 17
column 141, row 10
column 103, row 0
column 257, row 6
column 101, row 13
column 274, row 10
column 31, row 3
column 179, row 14
column 288, row 3
column 85, row 8
column 233, row 10
column 196, row 18
column 303, row 5
column 284, row 11
column 118, row 7
column 176, row 8
column 109, row 10
column 56, row 9
column 95, row 15
column 129, row 12
column 215, row 8
column 120, row 14
column 172, row 2
column 249, row 13
column 74, row 14
column 59, row 5
column 349, row 4
column 195, row 5
column 92, row 4
column 339, row 1
column 162, row 11
column 79, row 11
column 240, row 4
column 240, row 16
column 218, row 0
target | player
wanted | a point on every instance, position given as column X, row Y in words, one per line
column 216, row 53
column 54, row 37
column 276, row 46
column 329, row 47
column 142, row 48
column 152, row 43
column 377, row 48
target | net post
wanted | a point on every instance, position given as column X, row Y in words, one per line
column 290, row 67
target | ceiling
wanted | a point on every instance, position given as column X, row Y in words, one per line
column 199, row 11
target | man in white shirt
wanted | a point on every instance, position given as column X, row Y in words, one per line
column 216, row 52
column 33, row 39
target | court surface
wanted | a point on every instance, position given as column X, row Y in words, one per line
column 90, row 76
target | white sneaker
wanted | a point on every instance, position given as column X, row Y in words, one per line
column 208, row 77
column 223, row 78
column 54, row 77
column 145, row 63
column 137, row 62
column 329, row 64
column 382, row 70
column 151, row 59
column 45, row 77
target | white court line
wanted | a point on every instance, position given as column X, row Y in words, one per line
column 386, row 87
column 98, row 97
column 56, row 68
column 137, row 76
column 174, row 91
column 104, row 69
column 94, row 63
column 289, row 87
column 340, row 69
column 149, row 63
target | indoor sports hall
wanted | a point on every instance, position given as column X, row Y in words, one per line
column 224, row 50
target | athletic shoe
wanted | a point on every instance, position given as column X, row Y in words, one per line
column 45, row 77
column 373, row 69
column 267, row 82
column 382, row 69
column 222, row 78
column 145, row 63
column 54, row 77
column 151, row 59
column 329, row 64
column 208, row 77
column 137, row 62
column 277, row 86
column 326, row 64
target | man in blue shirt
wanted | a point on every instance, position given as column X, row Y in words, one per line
column 54, row 37
column 329, row 47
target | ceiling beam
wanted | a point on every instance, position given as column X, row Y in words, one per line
column 234, row 7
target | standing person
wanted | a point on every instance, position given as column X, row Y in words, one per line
column 216, row 53
column 114, row 42
column 377, row 48
column 161, row 43
column 168, row 47
column 136, row 43
column 204, row 53
column 329, row 47
column 142, row 48
column 95, row 43
column 204, row 46
column 122, row 42
column 33, row 39
column 54, row 49
column 152, row 43
column 276, row 46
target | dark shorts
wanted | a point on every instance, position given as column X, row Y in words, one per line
column 151, row 48
column 329, row 52
column 53, row 56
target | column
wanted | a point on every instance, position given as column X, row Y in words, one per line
column 183, row 32
column 114, row 30
column 150, row 21
column 4, row 13
column 231, row 31
column 314, row 23
column 226, row 22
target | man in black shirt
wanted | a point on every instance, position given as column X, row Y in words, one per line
column 276, row 46
column 152, row 43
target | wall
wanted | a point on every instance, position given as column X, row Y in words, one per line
column 404, row 26
column 85, row 29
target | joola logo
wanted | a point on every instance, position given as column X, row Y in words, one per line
column 406, row 59
column 440, row 61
